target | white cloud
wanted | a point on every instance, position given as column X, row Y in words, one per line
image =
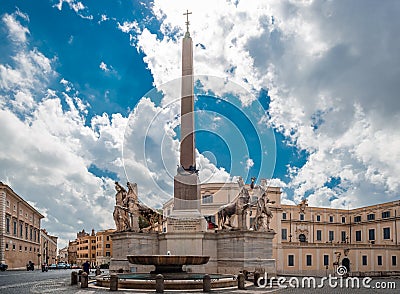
column 104, row 67
column 249, row 163
column 330, row 76
column 17, row 32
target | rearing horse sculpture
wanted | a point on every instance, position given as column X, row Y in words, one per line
column 237, row 207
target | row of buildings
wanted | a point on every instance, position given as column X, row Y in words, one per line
column 96, row 248
column 21, row 237
column 315, row 240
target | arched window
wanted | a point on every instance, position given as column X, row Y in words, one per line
column 302, row 238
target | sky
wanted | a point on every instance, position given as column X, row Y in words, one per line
column 303, row 93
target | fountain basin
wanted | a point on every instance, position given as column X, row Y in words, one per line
column 168, row 263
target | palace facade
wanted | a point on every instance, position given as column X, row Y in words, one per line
column 315, row 240
column 20, row 233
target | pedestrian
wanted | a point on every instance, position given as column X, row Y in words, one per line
column 86, row 267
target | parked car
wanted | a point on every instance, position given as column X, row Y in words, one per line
column 53, row 266
column 3, row 267
column 61, row 265
column 67, row 266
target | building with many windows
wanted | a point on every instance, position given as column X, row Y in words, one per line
column 63, row 255
column 19, row 230
column 48, row 245
column 104, row 247
column 72, row 252
column 316, row 240
column 86, row 248
column 95, row 248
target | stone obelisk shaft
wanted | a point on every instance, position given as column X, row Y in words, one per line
column 187, row 150
column 186, row 182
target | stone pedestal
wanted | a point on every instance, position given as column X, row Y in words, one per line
column 186, row 191
column 245, row 250
column 132, row 243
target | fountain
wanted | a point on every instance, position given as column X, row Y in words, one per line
column 171, row 268
column 168, row 263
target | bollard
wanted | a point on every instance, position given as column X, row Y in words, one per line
column 80, row 272
column 241, row 281
column 113, row 282
column 74, row 278
column 206, row 283
column 84, row 280
column 256, row 277
column 160, row 283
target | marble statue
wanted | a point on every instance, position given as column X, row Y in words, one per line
column 128, row 210
column 264, row 214
column 120, row 213
column 237, row 207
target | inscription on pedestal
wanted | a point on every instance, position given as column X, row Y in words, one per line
column 184, row 225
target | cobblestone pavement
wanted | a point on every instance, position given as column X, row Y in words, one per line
column 66, row 288
column 53, row 284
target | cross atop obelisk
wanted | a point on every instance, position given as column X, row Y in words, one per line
column 187, row 34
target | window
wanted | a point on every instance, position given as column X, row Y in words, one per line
column 326, row 259
column 108, row 253
column 284, row 234
column 385, row 214
column 6, row 246
column 358, row 235
column 20, row 212
column 379, row 260
column 357, row 219
column 30, row 234
column 26, row 232
column 371, row 216
column 343, row 235
column 331, row 235
column 20, row 248
column 207, row 198
column 318, row 218
column 343, row 219
column 15, row 207
column 15, row 227
column 108, row 238
column 319, row 235
column 371, row 234
column 302, row 238
column 93, row 247
column 21, row 229
column 309, row 260
column 108, row 245
column 386, row 233
column 331, row 219
column 284, row 215
column 364, row 260
column 301, row 216
column 8, row 203
column 394, row 260
column 8, row 225
column 290, row 260
column 13, row 246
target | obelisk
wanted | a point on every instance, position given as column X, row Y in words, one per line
column 186, row 181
